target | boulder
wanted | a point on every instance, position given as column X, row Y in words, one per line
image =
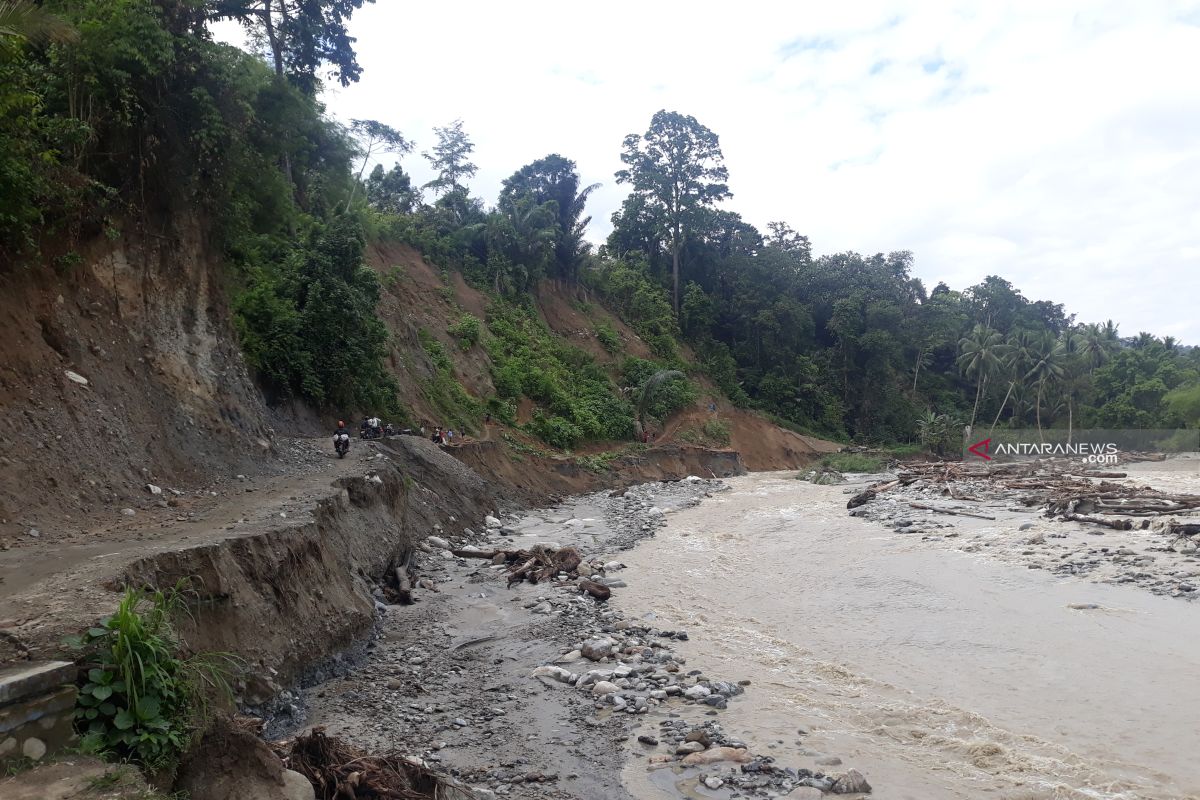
column 597, row 649
column 852, row 782
column 605, row 687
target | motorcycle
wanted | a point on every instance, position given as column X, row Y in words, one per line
column 341, row 443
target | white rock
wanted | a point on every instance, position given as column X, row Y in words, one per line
column 805, row 793
column 33, row 748
column 713, row 782
column 491, row 521
column 697, row 692
column 605, row 687
column 693, row 479
column 75, row 377
column 437, row 542
column 543, row 608
column 129, row 512
column 613, row 566
column 154, row 490
column 567, row 658
column 297, row 787
column 557, row 673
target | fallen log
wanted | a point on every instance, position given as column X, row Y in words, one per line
column 597, row 590
column 1115, row 524
column 955, row 512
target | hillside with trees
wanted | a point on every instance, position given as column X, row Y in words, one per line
column 118, row 118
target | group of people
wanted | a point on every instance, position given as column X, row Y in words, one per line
column 441, row 436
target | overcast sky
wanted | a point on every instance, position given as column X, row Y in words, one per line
column 1056, row 144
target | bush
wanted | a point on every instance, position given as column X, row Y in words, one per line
column 141, row 701
column 467, row 331
column 577, row 400
column 608, row 337
column 555, row 430
column 307, row 323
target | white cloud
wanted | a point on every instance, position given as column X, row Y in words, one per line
column 1052, row 143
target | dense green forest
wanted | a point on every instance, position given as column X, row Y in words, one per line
column 122, row 114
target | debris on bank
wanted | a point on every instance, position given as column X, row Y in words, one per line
column 1157, row 532
column 339, row 771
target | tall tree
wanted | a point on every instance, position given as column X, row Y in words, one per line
column 391, row 191
column 677, row 166
column 302, row 35
column 1047, row 368
column 372, row 138
column 979, row 358
column 555, row 179
column 450, row 158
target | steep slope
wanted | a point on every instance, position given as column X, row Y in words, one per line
column 421, row 301
column 167, row 399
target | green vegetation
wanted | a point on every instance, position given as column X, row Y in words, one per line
column 716, row 431
column 608, row 338
column 577, row 399
column 713, row 433
column 467, row 331
column 852, row 462
column 141, row 701
column 116, row 111
column 456, row 408
column 598, row 462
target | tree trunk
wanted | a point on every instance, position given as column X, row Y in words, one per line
column 1039, row 411
column 358, row 179
column 917, row 369
column 1000, row 410
column 978, row 391
column 1070, row 418
column 675, row 272
column 272, row 37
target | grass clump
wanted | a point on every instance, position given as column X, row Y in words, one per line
column 141, row 700
column 852, row 462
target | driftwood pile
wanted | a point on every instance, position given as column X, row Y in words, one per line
column 540, row 564
column 339, row 771
column 1064, row 489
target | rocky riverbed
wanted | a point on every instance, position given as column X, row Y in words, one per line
column 539, row 691
column 977, row 516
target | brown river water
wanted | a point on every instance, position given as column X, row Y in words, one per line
column 937, row 673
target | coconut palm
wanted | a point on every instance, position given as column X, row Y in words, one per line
column 22, row 19
column 979, row 358
column 1047, row 368
column 1094, row 345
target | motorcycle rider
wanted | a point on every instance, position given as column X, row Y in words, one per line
column 339, row 433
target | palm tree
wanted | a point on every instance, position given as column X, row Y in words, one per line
column 648, row 389
column 1047, row 368
column 22, row 19
column 1110, row 331
column 979, row 357
column 1094, row 345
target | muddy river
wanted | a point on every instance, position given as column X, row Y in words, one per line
column 936, row 672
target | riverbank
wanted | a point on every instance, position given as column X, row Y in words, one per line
column 938, row 672
column 539, row 691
